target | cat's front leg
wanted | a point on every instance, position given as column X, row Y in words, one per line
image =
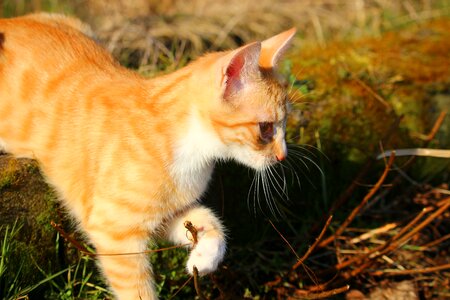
column 210, row 248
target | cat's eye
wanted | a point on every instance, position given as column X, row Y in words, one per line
column 267, row 131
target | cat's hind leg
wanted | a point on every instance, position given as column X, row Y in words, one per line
column 120, row 246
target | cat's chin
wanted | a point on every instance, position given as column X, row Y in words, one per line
column 256, row 162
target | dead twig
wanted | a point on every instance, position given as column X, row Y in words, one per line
column 373, row 232
column 412, row 223
column 365, row 169
column 181, row 287
column 373, row 93
column 411, row 272
column 355, row 211
column 87, row 252
column 430, row 136
column 422, row 225
column 321, row 295
column 197, row 285
column 435, row 242
column 311, row 249
column 194, row 232
column 285, row 240
column 71, row 240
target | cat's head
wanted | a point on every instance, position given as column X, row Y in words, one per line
column 250, row 118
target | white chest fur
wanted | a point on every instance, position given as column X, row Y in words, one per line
column 194, row 158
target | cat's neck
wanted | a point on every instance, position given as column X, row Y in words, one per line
column 194, row 154
column 185, row 104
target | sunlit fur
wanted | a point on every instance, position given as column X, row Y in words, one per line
column 128, row 156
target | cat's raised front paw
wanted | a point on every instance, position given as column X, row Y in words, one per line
column 206, row 255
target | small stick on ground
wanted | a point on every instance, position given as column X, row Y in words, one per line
column 355, row 211
column 325, row 294
column 410, row 272
column 311, row 249
column 422, row 225
column 197, row 285
column 285, row 240
column 435, row 242
column 180, row 288
column 193, row 230
column 71, row 240
column 412, row 223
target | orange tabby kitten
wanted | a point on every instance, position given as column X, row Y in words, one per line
column 130, row 156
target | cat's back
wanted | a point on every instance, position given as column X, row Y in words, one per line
column 49, row 69
column 48, row 41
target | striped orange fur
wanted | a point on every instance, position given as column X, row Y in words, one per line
column 131, row 156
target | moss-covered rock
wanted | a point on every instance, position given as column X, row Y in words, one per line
column 25, row 199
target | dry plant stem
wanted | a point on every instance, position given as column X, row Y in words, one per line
column 285, row 240
column 322, row 295
column 355, row 211
column 343, row 197
column 311, row 249
column 197, row 285
column 373, row 93
column 422, row 225
column 373, row 232
column 427, row 139
column 442, row 202
column 436, row 126
column 392, row 244
column 85, row 251
column 411, row 272
column 181, row 287
column 412, row 223
column 71, row 240
column 191, row 228
column 435, row 242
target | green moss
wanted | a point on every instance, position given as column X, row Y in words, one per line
column 362, row 87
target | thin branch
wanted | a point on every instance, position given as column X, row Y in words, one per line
column 355, row 211
column 322, row 295
column 422, row 225
column 373, row 232
column 285, row 240
column 71, row 240
column 311, row 249
column 411, row 272
column 197, row 285
column 435, row 242
column 181, row 287
column 412, row 223
column 193, row 230
column 436, row 126
column 373, row 93
column 87, row 252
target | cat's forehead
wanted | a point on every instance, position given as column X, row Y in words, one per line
column 272, row 97
column 265, row 104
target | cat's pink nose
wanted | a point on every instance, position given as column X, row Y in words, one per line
column 280, row 151
column 281, row 157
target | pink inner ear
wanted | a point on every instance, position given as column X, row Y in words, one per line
column 235, row 67
column 233, row 82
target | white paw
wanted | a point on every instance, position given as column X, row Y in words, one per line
column 206, row 255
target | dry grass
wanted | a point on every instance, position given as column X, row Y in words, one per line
column 153, row 34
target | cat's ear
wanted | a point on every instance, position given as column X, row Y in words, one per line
column 273, row 48
column 239, row 66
